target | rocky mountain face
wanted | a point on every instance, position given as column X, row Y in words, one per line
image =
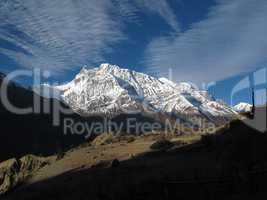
column 110, row 90
column 14, row 171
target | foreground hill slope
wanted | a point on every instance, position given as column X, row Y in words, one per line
column 216, row 165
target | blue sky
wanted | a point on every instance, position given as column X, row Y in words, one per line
column 201, row 41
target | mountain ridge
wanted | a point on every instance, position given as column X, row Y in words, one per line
column 111, row 90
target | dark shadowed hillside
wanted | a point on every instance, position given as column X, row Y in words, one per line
column 228, row 165
column 31, row 133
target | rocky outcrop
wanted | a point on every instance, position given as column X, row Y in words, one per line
column 30, row 164
column 103, row 139
column 9, row 175
column 13, row 171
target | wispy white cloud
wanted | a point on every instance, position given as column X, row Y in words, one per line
column 131, row 9
column 162, row 8
column 61, row 35
column 58, row 34
column 231, row 40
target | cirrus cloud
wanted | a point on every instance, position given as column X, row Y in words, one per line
column 62, row 35
column 232, row 39
column 57, row 34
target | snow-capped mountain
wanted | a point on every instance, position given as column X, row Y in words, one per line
column 110, row 90
column 243, row 107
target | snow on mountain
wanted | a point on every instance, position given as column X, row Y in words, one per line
column 110, row 90
column 243, row 107
column 167, row 81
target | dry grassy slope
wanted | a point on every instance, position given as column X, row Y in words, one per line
column 87, row 156
column 141, row 171
column 138, row 163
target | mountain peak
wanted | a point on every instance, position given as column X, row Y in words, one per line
column 111, row 90
column 84, row 69
column 106, row 67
